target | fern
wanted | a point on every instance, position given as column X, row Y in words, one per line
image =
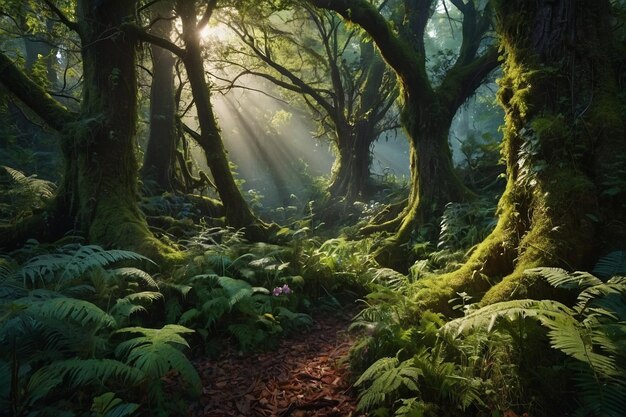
column 386, row 376
column 71, row 262
column 130, row 272
column 79, row 311
column 236, row 289
column 75, row 373
column 248, row 335
column 614, row 263
column 108, row 405
column 31, row 183
column 411, row 407
column 156, row 352
column 560, row 278
column 591, row 333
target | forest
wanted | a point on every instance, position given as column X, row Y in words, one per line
column 386, row 208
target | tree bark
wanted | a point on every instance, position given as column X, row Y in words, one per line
column 159, row 159
column 98, row 195
column 563, row 139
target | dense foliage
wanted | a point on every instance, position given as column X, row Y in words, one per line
column 489, row 282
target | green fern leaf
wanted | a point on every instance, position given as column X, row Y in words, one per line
column 155, row 353
column 136, row 273
column 560, row 278
column 81, row 372
column 214, row 309
column 236, row 289
column 411, row 407
column 614, row 263
column 82, row 312
column 108, row 405
column 387, row 376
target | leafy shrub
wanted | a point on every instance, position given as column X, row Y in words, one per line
column 226, row 290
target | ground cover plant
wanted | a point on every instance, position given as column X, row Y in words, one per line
column 312, row 208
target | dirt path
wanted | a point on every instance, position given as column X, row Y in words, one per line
column 305, row 376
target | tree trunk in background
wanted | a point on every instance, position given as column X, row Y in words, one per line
column 564, row 142
column 238, row 213
column 426, row 111
column 434, row 183
column 158, row 166
column 351, row 170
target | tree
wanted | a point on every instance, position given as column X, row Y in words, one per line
column 98, row 194
column 564, row 138
column 237, row 211
column 159, row 160
column 426, row 110
column 333, row 70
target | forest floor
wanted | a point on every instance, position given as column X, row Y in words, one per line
column 307, row 375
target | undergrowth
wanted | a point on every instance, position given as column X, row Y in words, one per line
column 540, row 357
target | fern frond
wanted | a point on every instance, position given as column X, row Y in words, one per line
column 236, row 289
column 82, row 312
column 610, row 296
column 170, row 333
column 136, row 273
column 487, row 317
column 215, row 308
column 92, row 256
column 43, row 188
column 613, row 263
column 387, row 376
column 75, row 373
column 411, row 407
column 247, row 334
column 108, row 405
column 561, row 278
column 155, row 353
column 144, row 296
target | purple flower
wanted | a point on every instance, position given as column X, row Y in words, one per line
column 286, row 290
column 277, row 291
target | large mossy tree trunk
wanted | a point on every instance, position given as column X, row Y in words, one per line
column 426, row 111
column 237, row 210
column 434, row 181
column 564, row 141
column 158, row 166
column 102, row 170
column 98, row 194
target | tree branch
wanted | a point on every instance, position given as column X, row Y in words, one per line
column 210, row 8
column 396, row 51
column 142, row 35
column 463, row 80
column 62, row 17
column 34, row 96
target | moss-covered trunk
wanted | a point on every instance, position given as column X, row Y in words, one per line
column 238, row 213
column 351, row 170
column 98, row 194
column 563, row 139
column 100, row 183
column 158, row 166
column 434, row 182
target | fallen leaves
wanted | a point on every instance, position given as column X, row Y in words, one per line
column 306, row 377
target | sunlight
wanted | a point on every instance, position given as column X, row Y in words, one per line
column 217, row 31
